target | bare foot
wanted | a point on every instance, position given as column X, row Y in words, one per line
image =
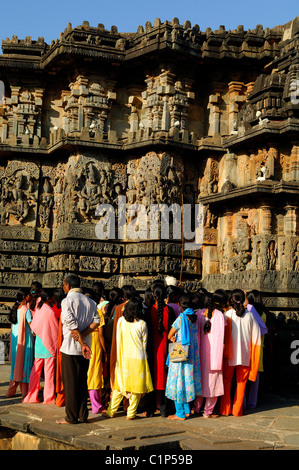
column 175, row 417
column 62, row 421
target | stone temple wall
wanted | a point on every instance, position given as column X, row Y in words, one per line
column 167, row 115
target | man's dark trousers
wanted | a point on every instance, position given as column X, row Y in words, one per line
column 74, row 378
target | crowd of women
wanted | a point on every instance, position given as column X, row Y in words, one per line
column 165, row 351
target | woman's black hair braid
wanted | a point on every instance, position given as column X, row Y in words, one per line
column 210, row 305
column 158, row 294
column 13, row 314
column 237, row 301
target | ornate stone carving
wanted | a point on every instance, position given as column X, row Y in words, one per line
column 19, row 189
column 87, row 106
column 46, row 204
column 165, row 104
column 22, row 116
column 118, row 115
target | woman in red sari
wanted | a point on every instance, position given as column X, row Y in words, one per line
column 162, row 317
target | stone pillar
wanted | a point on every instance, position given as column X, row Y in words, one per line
column 229, row 169
column 249, row 87
column 165, row 126
column 210, row 261
column 294, row 167
column 265, row 220
column 214, row 105
column 136, row 105
column 280, row 225
column 290, row 220
column 236, row 97
column 39, row 92
column 229, row 224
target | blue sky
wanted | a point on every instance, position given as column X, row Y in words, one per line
column 48, row 18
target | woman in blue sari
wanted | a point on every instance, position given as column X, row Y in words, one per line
column 183, row 380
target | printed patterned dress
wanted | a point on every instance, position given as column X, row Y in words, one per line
column 183, row 380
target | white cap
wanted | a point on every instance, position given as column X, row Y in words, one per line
column 171, row 281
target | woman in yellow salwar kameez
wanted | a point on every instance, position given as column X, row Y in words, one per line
column 95, row 380
column 132, row 374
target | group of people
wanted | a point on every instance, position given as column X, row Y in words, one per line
column 113, row 348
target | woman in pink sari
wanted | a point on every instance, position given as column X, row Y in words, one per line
column 210, row 323
column 45, row 326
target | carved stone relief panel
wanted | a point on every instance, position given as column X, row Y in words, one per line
column 98, row 264
column 87, row 181
column 19, row 193
column 22, row 263
column 294, row 254
column 209, row 182
column 289, row 162
column 51, row 195
column 153, row 180
column 235, row 241
column 246, row 169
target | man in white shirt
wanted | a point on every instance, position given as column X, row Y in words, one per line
column 79, row 318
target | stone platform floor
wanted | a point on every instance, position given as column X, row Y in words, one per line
column 274, row 425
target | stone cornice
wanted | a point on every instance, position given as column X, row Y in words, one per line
column 68, row 142
column 261, row 189
column 257, row 44
column 264, row 131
